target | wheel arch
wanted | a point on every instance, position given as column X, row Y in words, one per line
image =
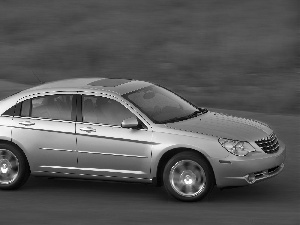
column 158, row 179
column 2, row 141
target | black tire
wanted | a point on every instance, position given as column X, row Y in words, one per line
column 188, row 177
column 14, row 168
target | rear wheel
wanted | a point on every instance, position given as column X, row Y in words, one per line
column 188, row 177
column 14, row 169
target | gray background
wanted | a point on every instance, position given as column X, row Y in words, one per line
column 227, row 54
column 239, row 55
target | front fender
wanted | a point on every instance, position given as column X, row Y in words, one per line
column 206, row 145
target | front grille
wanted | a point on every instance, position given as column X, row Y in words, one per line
column 269, row 145
column 268, row 173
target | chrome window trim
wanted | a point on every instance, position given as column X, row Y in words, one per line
column 6, row 116
column 46, row 93
column 98, row 124
column 44, row 119
column 98, row 93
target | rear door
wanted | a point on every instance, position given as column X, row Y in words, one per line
column 45, row 128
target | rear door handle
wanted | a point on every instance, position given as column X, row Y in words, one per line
column 27, row 123
column 88, row 129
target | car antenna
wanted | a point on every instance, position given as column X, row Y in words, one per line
column 37, row 78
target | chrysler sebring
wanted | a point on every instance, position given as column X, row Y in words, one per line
column 129, row 130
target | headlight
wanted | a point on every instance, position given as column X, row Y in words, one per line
column 238, row 148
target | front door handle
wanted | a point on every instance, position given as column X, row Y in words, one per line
column 27, row 123
column 88, row 129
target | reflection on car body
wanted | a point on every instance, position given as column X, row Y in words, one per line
column 128, row 130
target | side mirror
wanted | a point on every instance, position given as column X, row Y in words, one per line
column 131, row 122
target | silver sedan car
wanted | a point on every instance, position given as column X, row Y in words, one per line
column 129, row 130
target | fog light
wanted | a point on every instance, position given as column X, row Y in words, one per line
column 251, row 178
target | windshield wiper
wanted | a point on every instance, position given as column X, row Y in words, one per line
column 194, row 114
column 203, row 110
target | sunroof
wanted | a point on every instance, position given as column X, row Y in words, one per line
column 109, row 82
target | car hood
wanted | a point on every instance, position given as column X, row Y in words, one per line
column 221, row 125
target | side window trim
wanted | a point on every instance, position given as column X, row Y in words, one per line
column 78, row 107
column 18, row 109
column 74, row 112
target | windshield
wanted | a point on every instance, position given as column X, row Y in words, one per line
column 161, row 105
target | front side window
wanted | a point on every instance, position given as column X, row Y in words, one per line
column 103, row 110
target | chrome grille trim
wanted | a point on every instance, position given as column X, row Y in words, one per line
column 269, row 144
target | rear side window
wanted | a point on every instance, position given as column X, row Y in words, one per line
column 52, row 107
column 49, row 107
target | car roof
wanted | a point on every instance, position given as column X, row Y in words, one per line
column 112, row 85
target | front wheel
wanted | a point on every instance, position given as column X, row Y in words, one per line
column 188, row 177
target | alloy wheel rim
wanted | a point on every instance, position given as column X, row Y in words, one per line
column 9, row 167
column 187, row 178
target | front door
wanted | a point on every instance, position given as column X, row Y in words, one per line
column 104, row 147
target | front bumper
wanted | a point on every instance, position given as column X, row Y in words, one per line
column 241, row 171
